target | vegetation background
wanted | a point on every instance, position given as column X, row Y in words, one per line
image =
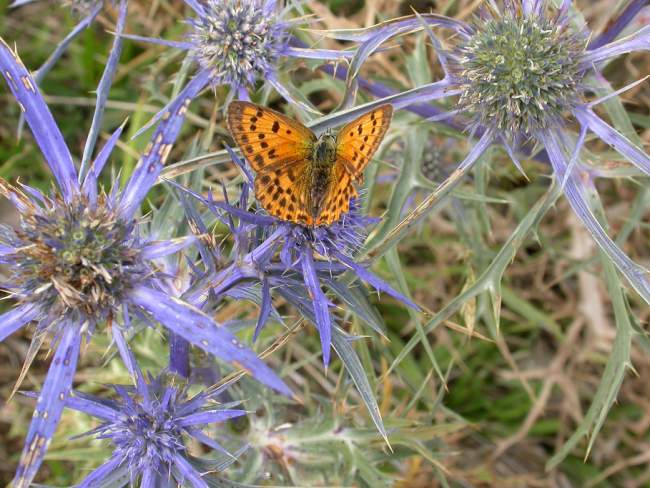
column 510, row 401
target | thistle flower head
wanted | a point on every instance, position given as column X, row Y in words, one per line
column 519, row 73
column 237, row 43
column 77, row 259
column 237, row 40
column 345, row 236
column 146, row 434
column 148, row 424
column 522, row 74
column 438, row 158
column 430, row 166
column 294, row 259
column 73, row 260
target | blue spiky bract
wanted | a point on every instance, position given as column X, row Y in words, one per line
column 80, row 259
column 147, row 426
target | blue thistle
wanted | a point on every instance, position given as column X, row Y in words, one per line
column 517, row 73
column 239, row 43
column 147, row 426
column 79, row 260
column 522, row 74
column 75, row 261
column 296, row 260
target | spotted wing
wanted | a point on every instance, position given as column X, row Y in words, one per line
column 337, row 201
column 267, row 138
column 358, row 140
column 282, row 191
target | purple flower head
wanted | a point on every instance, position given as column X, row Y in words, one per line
column 237, row 40
column 524, row 73
column 75, row 261
column 79, row 259
column 238, row 44
column 344, row 237
column 518, row 73
column 297, row 261
column 148, row 425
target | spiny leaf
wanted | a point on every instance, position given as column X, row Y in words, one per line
column 352, row 363
column 493, row 272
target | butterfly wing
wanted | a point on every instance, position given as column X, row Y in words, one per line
column 282, row 191
column 337, row 201
column 355, row 145
column 358, row 140
column 268, row 139
column 278, row 149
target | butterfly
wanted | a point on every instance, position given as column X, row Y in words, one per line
column 301, row 177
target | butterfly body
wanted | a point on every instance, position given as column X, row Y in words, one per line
column 320, row 174
column 300, row 177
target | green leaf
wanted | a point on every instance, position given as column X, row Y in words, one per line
column 396, row 268
column 615, row 109
column 526, row 309
column 492, row 273
column 371, row 475
column 617, row 363
column 355, row 296
column 350, row 360
column 80, row 454
column 417, row 64
column 415, row 141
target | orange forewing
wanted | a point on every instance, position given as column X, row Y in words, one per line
column 267, row 138
column 358, row 140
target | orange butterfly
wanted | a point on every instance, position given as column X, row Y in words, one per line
column 303, row 178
